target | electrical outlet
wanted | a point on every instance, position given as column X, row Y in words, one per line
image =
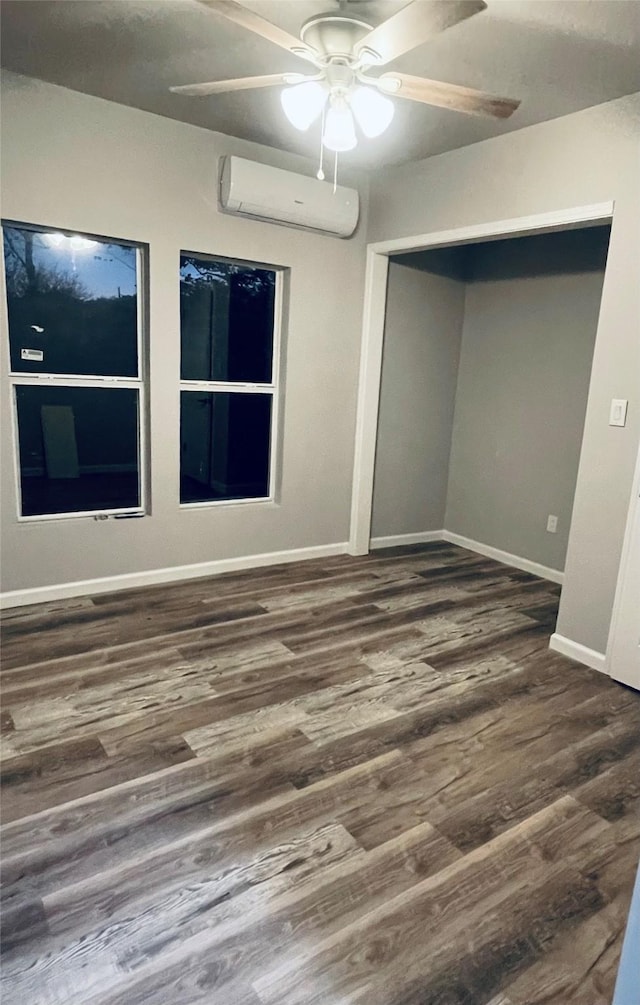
column 552, row 524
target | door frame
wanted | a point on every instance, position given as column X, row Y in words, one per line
column 625, row 561
column 373, row 321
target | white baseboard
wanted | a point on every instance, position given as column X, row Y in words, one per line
column 554, row 575
column 576, row 651
column 516, row 561
column 396, row 540
column 107, row 584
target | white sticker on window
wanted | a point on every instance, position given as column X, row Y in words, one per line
column 35, row 355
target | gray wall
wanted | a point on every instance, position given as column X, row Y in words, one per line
column 417, row 394
column 529, row 313
column 77, row 162
column 583, row 159
column 527, row 348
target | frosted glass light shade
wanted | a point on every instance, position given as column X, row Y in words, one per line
column 339, row 130
column 303, row 103
column 373, row 112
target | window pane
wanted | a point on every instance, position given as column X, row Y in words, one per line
column 72, row 304
column 78, row 449
column 224, row 445
column 226, row 321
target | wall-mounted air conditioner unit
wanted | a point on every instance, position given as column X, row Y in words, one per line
column 268, row 193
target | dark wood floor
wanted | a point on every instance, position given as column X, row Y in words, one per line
column 342, row 781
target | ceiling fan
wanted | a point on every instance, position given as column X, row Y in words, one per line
column 344, row 49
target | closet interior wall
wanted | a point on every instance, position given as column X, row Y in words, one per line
column 486, row 367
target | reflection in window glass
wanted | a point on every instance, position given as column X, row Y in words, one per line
column 224, row 445
column 226, row 321
column 78, row 448
column 72, row 304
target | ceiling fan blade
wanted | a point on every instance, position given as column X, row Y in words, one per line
column 435, row 92
column 415, row 24
column 259, row 25
column 238, row 84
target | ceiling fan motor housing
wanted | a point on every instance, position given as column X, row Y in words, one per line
column 334, row 37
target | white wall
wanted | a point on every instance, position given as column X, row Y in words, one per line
column 77, row 162
column 587, row 158
column 422, row 336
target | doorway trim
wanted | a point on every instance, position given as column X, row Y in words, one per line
column 373, row 320
column 625, row 564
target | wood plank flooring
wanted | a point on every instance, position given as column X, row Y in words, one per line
column 342, row 781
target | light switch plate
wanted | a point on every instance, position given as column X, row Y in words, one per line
column 618, row 412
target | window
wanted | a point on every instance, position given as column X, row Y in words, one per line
column 229, row 327
column 74, row 309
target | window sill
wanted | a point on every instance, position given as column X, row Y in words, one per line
column 216, row 503
column 90, row 515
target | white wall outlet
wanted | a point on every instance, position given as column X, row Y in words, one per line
column 552, row 524
column 618, row 412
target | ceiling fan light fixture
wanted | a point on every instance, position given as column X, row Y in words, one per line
column 372, row 111
column 342, row 47
column 339, row 129
column 303, row 103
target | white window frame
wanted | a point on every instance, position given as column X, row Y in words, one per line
column 272, row 388
column 139, row 383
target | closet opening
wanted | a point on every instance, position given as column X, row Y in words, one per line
column 485, row 354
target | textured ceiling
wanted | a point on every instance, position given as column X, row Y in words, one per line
column 556, row 56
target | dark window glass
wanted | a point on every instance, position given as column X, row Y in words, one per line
column 78, row 449
column 72, row 304
column 224, row 445
column 226, row 321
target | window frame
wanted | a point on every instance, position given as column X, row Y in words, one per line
column 273, row 388
column 140, row 383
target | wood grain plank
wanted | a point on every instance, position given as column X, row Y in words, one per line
column 94, row 832
column 149, row 907
column 321, row 905
column 408, row 941
column 356, row 779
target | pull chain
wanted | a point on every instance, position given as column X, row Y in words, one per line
column 335, row 173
